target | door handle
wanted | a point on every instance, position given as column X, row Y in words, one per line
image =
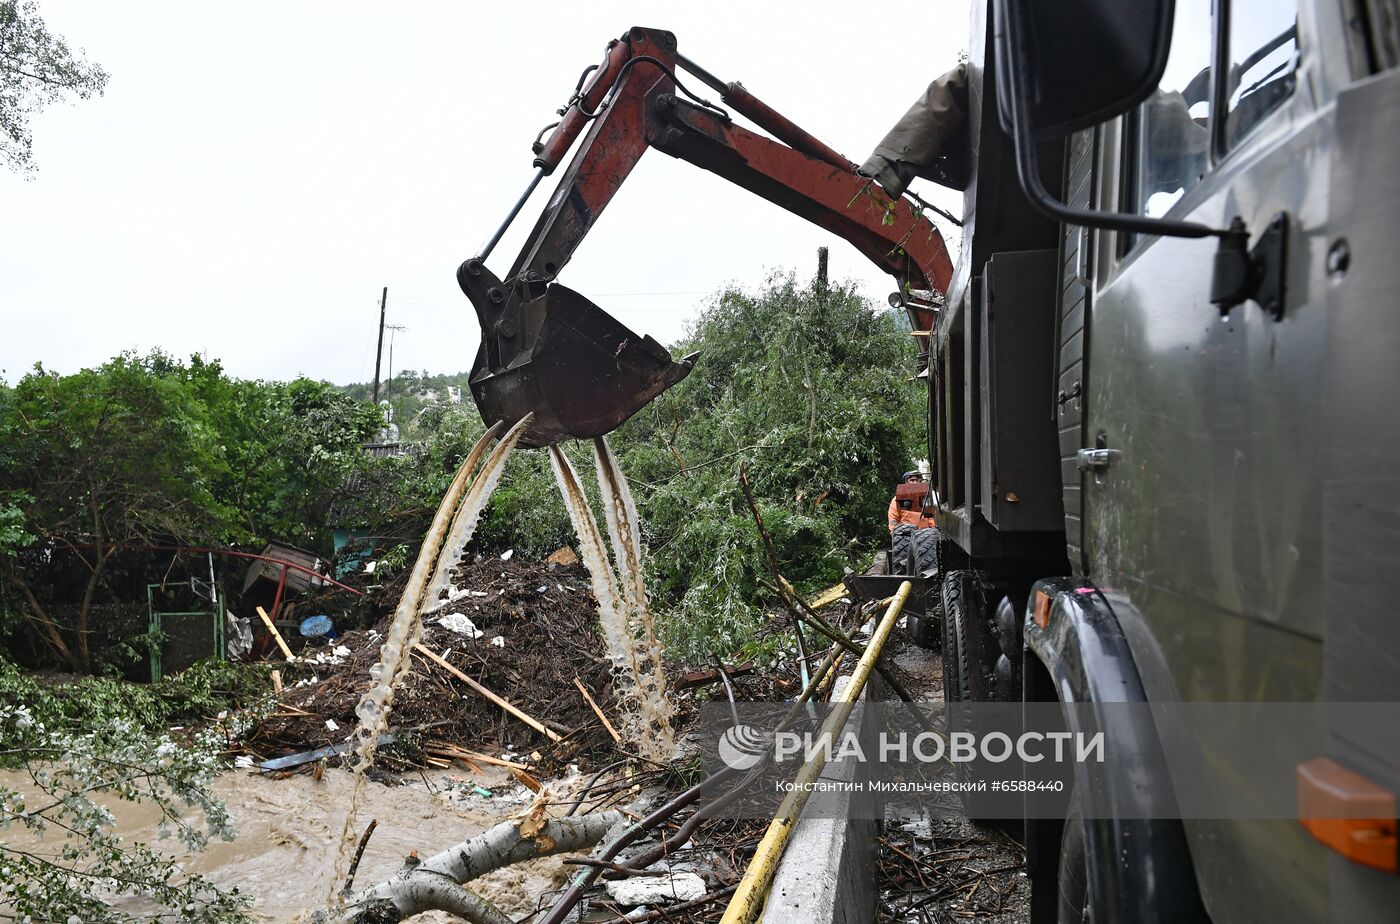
column 1097, row 460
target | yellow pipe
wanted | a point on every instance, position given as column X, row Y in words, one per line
column 752, row 891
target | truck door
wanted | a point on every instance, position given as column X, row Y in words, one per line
column 1071, row 370
column 1201, row 445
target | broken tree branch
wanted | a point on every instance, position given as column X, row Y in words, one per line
column 588, row 698
column 794, row 604
column 276, row 636
column 359, row 854
column 437, row 882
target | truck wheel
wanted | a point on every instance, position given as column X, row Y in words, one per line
column 952, row 660
column 969, row 654
column 967, row 638
column 923, row 631
column 1073, row 872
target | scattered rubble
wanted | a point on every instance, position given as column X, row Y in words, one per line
column 649, row 890
column 522, row 630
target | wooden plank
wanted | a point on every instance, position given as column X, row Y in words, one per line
column 596, row 711
column 478, row 688
column 710, row 675
column 452, row 750
column 276, row 636
column 830, row 595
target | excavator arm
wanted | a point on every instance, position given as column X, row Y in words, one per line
column 548, row 350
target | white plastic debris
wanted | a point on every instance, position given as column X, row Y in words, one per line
column 677, row 887
column 478, row 593
column 498, row 642
column 505, row 556
column 243, row 762
column 370, row 566
column 331, row 726
column 340, row 651
column 460, row 624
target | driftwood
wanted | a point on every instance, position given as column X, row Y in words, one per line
column 437, row 883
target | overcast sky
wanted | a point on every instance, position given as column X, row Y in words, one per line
column 255, row 173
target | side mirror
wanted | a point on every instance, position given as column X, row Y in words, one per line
column 1079, row 62
column 1065, row 65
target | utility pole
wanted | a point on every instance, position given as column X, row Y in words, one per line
column 393, row 329
column 821, row 269
column 379, row 351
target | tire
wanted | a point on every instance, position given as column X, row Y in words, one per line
column 925, row 545
column 923, row 631
column 900, row 543
column 952, row 661
column 1073, row 871
column 969, row 659
column 967, row 639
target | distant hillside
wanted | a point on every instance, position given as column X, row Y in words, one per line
column 409, row 392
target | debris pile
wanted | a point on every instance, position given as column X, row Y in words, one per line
column 509, row 631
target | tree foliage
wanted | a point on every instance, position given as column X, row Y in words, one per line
column 148, row 450
column 37, row 68
column 809, row 387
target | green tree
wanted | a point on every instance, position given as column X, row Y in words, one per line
column 37, row 68
column 812, row 389
column 106, row 457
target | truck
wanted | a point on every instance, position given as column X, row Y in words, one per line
column 1157, row 412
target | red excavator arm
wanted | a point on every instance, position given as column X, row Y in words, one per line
column 548, row 350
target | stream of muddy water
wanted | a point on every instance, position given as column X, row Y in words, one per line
column 288, row 835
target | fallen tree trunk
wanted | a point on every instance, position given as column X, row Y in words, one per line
column 437, row 883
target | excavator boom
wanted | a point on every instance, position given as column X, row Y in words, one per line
column 548, row 350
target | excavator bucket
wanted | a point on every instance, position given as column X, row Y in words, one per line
column 556, row 354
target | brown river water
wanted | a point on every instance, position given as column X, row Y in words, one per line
column 284, row 853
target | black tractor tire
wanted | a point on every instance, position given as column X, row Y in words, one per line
column 925, row 545
column 925, row 629
column 1073, row 871
column 900, row 543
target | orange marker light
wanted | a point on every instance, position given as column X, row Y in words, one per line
column 1042, row 609
column 1349, row 814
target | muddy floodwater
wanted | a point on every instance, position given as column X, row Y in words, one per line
column 288, row 829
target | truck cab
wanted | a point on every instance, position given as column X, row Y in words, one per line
column 1160, row 422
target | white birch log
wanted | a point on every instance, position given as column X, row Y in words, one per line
column 437, row 882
